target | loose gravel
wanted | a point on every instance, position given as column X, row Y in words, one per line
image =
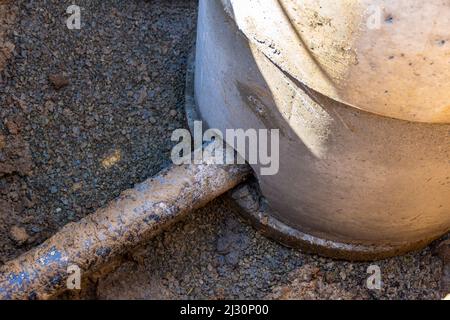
column 95, row 106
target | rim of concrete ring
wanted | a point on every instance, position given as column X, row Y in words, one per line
column 252, row 206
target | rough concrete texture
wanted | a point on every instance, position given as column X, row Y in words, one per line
column 109, row 128
column 345, row 175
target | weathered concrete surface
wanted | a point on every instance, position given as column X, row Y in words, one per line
column 346, row 175
column 385, row 57
column 135, row 216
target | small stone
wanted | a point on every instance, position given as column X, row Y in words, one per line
column 14, row 196
column 142, row 96
column 223, row 246
column 36, row 229
column 23, row 105
column 12, row 127
column 232, row 258
column 76, row 131
column 173, row 113
column 77, row 186
column 59, row 80
column 19, row 234
column 28, row 203
column 2, row 141
column 49, row 106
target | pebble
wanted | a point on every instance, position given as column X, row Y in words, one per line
column 2, row 141
column 12, row 127
column 19, row 234
column 59, row 80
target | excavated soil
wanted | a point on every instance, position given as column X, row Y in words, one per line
column 86, row 114
column 94, row 108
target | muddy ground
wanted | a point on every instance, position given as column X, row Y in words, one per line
column 86, row 114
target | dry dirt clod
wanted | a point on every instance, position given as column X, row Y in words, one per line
column 19, row 234
column 6, row 52
column 443, row 251
column 13, row 128
column 59, row 80
column 7, row 48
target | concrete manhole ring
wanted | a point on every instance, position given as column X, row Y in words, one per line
column 254, row 208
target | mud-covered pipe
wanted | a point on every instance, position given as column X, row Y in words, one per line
column 137, row 215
